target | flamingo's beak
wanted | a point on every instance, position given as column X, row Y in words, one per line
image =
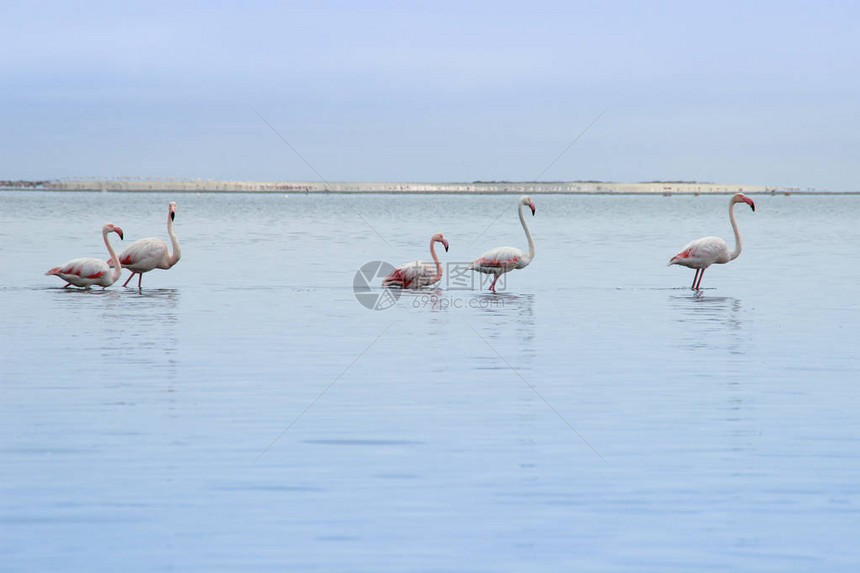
column 172, row 215
column 445, row 243
column 532, row 207
column 749, row 202
column 119, row 232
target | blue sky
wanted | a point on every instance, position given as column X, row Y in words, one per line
column 764, row 93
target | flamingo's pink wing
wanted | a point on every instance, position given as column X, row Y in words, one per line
column 498, row 259
column 143, row 253
column 705, row 250
column 395, row 278
column 410, row 274
column 87, row 268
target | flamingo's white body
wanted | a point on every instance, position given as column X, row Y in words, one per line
column 505, row 259
column 418, row 274
column 145, row 255
column 86, row 272
column 704, row 252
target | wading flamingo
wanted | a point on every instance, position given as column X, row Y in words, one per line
column 143, row 255
column 88, row 271
column 418, row 274
column 704, row 252
column 503, row 259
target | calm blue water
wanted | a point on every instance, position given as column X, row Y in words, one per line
column 245, row 412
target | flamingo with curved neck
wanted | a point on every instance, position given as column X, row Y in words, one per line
column 144, row 255
column 417, row 274
column 501, row 260
column 704, row 252
column 86, row 272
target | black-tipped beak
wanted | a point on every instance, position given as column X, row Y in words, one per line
column 172, row 215
column 446, row 247
column 533, row 210
column 752, row 206
column 119, row 232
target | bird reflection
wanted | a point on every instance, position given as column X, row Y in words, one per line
column 711, row 322
column 714, row 325
column 140, row 329
column 709, row 316
column 493, row 315
column 504, row 312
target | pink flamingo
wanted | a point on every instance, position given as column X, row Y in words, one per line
column 143, row 255
column 504, row 259
column 418, row 274
column 704, row 252
column 86, row 272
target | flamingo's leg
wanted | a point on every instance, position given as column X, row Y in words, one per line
column 139, row 278
column 131, row 276
column 493, row 284
column 695, row 278
column 701, row 274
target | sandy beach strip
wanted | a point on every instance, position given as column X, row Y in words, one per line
column 474, row 188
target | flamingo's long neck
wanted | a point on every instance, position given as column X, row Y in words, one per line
column 528, row 234
column 438, row 274
column 738, row 243
column 177, row 252
column 117, row 268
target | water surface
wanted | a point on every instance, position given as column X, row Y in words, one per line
column 243, row 411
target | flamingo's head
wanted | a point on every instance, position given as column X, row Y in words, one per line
column 111, row 228
column 526, row 200
column 741, row 198
column 440, row 239
column 172, row 210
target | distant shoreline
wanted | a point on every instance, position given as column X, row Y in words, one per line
column 138, row 185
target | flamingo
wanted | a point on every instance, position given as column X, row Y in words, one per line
column 704, row 252
column 418, row 273
column 143, row 255
column 86, row 272
column 504, row 259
